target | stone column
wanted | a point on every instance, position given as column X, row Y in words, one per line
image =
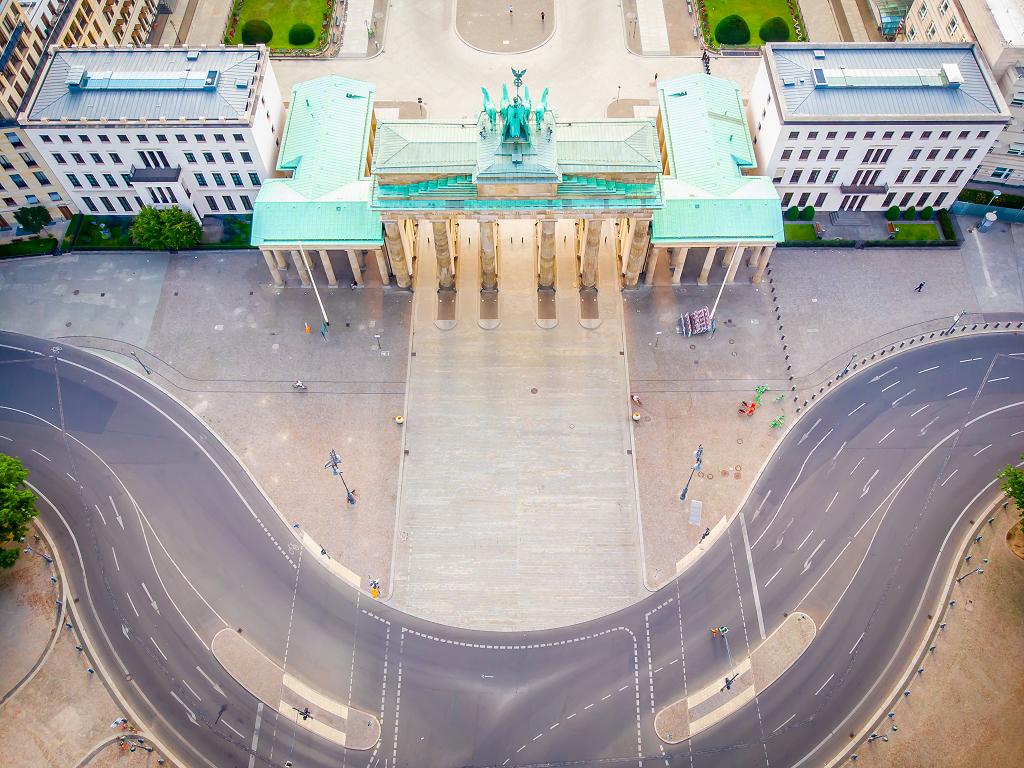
column 766, row 251
column 282, row 262
column 546, row 259
column 734, row 262
column 382, row 265
column 488, row 257
column 706, row 269
column 442, row 251
column 396, row 254
column 300, row 267
column 652, row 265
column 678, row 263
column 588, row 265
column 641, row 240
column 359, row 257
column 353, row 263
column 275, row 273
column 325, row 259
column 755, row 254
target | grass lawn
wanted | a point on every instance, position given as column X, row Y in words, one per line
column 281, row 15
column 922, row 230
column 800, row 231
column 93, row 237
column 754, row 12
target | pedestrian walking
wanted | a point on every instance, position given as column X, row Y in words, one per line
column 510, row 9
column 920, row 287
column 635, row 398
column 542, row 17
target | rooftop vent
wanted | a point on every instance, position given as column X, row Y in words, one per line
column 819, row 54
column 75, row 77
column 241, row 83
column 952, row 75
column 192, row 55
column 947, row 76
column 114, row 80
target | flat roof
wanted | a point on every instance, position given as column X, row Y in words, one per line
column 1009, row 17
column 148, row 83
column 891, row 80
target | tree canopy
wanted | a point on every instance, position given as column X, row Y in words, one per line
column 17, row 508
column 32, row 218
column 1012, row 483
column 168, row 229
column 733, row 30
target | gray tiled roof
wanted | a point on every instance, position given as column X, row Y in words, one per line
column 147, row 83
column 793, row 66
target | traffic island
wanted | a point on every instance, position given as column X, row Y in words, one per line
column 495, row 27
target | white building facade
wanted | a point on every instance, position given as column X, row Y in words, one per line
column 866, row 126
column 125, row 127
column 998, row 27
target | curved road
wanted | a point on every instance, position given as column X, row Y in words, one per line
column 855, row 520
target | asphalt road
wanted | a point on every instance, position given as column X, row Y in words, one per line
column 856, row 519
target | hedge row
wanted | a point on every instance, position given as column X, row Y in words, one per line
column 34, row 247
column 984, row 197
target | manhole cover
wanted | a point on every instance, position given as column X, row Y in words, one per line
column 67, row 324
column 739, row 441
column 693, row 346
column 75, row 292
column 732, row 341
column 533, row 390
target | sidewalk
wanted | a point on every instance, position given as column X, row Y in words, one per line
column 487, row 25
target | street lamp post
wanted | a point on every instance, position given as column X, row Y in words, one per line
column 334, row 464
column 995, row 193
column 956, row 319
column 47, row 558
column 970, row 573
column 698, row 455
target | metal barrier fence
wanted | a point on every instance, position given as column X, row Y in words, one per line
column 960, row 208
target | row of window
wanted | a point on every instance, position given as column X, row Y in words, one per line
column 115, row 158
column 20, row 183
column 952, row 27
column 236, row 179
column 10, row 202
column 886, row 135
column 878, row 154
column 868, row 176
column 161, row 195
column 822, row 198
column 142, row 138
column 111, row 181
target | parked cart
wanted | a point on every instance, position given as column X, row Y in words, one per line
column 697, row 322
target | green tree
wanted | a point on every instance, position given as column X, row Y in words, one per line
column 17, row 507
column 301, row 34
column 733, row 30
column 893, row 213
column 792, row 213
column 927, row 213
column 807, row 214
column 256, row 31
column 774, row 30
column 32, row 218
column 180, row 229
column 1012, row 483
column 910, row 214
column 148, row 229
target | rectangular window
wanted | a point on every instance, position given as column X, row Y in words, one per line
column 218, row 179
column 59, row 158
column 1017, row 100
column 84, row 138
column 787, row 153
column 246, row 203
column 930, row 32
column 237, row 137
column 143, row 138
column 919, row 176
column 218, row 137
column 200, row 138
column 922, row 11
column 190, row 157
column 823, row 154
column 944, row 7
column 851, row 135
column 952, row 27
column 982, row 134
column 104, row 139
column 779, row 173
column 902, row 176
column 887, row 135
column 55, row 196
column 940, row 199
column 111, row 182
column 107, row 204
column 841, row 154
column 933, row 153
column 926, row 134
column 96, row 158
column 208, row 157
column 955, row 176
column 804, row 154
column 963, row 135
column 41, row 177
column 212, row 202
column 74, row 181
column 227, row 157
column 201, row 180
column 229, row 203
column 1015, row 148
column 115, row 158
column 795, row 178
column 944, row 135
column 830, row 135
column 819, row 201
column 254, row 178
column 18, row 181
column 787, row 199
column 812, row 177
column 180, row 137
column 89, row 204
column 970, row 153
column 5, row 163
column 246, row 157
column 885, row 156
column 794, row 135
column 812, row 135
column 127, row 179
column 869, row 135
column 236, row 179
column 907, row 135
column 64, row 138
column 914, row 154
column 46, row 139
column 831, row 177
column 937, row 176
column 31, row 199
column 923, row 199
column 77, row 158
column 162, row 138
column 92, row 180
column 906, row 200
column 803, row 199
column 123, row 138
column 888, row 200
column 997, row 173
column 952, row 153
column 125, row 204
column 911, row 33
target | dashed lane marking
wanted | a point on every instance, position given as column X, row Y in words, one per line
column 890, row 386
column 132, row 604
column 37, row 453
column 198, row 697
column 770, row 580
column 856, row 465
column 854, row 648
column 161, row 651
column 928, row 369
column 949, row 478
column 957, row 391
column 919, row 410
column 1001, row 378
column 856, row 409
column 983, row 449
column 825, row 683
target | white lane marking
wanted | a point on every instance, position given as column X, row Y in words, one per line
column 791, row 487
column 805, row 539
column 957, row 391
column 894, row 402
column 928, row 369
column 117, row 515
column 675, row 660
column 114, row 553
column 71, row 476
column 890, row 386
column 882, row 375
column 983, row 449
column 856, row 465
column 753, row 579
column 919, row 410
column 761, row 505
column 191, row 714
column 213, row 685
column 839, row 451
column 925, row 427
column 537, row 736
column 607, row 696
column 39, row 454
column 623, row 688
column 854, row 648
column 100, row 513
column 151, row 600
column 807, row 562
column 570, row 717
column 950, row 477
column 132, row 603
column 995, row 410
column 658, row 670
column 831, row 502
column 788, row 719
column 588, row 706
column 185, row 683
column 520, row 749
column 1001, row 378
column 161, row 652
column 770, row 580
column 1017, row 433
column 971, row 360
column 808, row 432
column 255, row 735
column 856, row 409
column 232, row 728
column 825, row 683
column 1016, row 354
column 553, row 727
column 8, row 439
column 886, row 435
column 867, row 485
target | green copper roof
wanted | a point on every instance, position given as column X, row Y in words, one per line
column 608, row 146
column 707, row 196
column 326, row 200
column 424, row 146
